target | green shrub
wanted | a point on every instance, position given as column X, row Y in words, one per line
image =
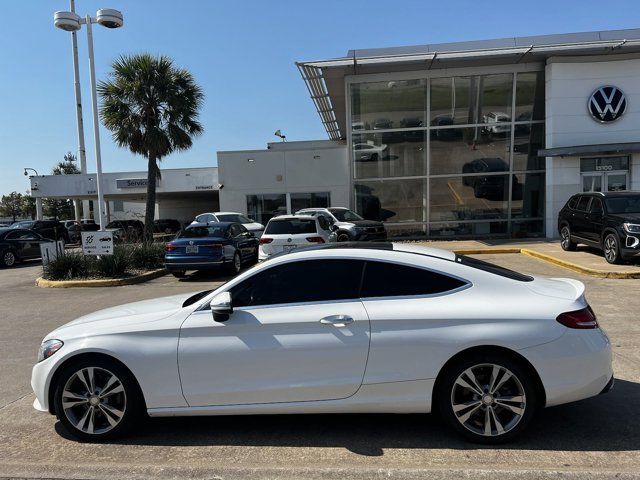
column 147, row 256
column 68, row 266
column 116, row 265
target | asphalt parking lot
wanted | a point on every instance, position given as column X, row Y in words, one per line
column 595, row 438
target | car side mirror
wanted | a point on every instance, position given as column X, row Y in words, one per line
column 221, row 307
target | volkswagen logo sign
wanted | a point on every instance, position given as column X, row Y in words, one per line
column 607, row 104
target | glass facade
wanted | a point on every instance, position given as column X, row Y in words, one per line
column 450, row 156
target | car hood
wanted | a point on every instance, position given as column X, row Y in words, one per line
column 115, row 319
column 626, row 217
column 362, row 223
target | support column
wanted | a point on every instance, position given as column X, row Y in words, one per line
column 108, row 206
column 38, row 208
column 77, row 210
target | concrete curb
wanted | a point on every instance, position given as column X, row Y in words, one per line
column 107, row 282
column 551, row 259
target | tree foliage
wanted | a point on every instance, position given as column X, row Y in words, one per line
column 58, row 208
column 11, row 205
column 151, row 107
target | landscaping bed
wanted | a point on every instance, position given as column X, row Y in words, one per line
column 127, row 261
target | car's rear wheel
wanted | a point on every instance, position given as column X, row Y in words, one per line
column 8, row 258
column 565, row 239
column 611, row 248
column 236, row 265
column 178, row 273
column 488, row 399
column 96, row 399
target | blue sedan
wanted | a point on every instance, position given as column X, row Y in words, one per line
column 220, row 245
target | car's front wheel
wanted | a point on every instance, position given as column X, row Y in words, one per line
column 343, row 237
column 488, row 399
column 565, row 239
column 96, row 399
column 8, row 258
column 611, row 248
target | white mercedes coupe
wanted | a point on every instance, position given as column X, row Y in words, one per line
column 386, row 328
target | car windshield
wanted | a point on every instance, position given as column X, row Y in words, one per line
column 233, row 217
column 202, row 232
column 630, row 204
column 22, row 225
column 345, row 215
column 291, row 226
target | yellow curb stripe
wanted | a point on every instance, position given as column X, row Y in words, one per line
column 107, row 282
column 456, row 196
column 551, row 259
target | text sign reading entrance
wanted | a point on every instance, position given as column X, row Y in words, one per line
column 97, row 243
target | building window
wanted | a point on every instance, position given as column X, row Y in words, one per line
column 452, row 156
column 118, row 206
column 309, row 200
column 265, row 206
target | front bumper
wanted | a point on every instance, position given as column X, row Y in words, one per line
column 630, row 246
column 368, row 236
column 40, row 378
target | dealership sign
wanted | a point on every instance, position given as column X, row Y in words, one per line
column 607, row 104
column 131, row 182
column 97, row 243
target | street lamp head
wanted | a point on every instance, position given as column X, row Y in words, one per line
column 110, row 18
column 67, row 21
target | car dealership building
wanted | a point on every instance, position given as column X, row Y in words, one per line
column 470, row 139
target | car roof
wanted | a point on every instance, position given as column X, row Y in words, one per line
column 212, row 224
column 228, row 213
column 383, row 246
column 293, row 217
column 612, row 194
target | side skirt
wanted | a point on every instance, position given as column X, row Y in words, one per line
column 396, row 397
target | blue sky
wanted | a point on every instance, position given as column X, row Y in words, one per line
column 242, row 53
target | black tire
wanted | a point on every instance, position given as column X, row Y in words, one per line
column 565, row 239
column 611, row 248
column 520, row 386
column 129, row 400
column 343, row 237
column 236, row 265
column 179, row 273
column 8, row 258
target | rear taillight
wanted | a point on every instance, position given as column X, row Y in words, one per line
column 315, row 239
column 582, row 319
column 169, row 247
column 264, row 240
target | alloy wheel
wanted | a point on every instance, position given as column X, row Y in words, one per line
column 565, row 236
column 610, row 248
column 94, row 400
column 488, row 400
column 9, row 259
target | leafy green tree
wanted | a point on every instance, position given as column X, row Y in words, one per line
column 11, row 205
column 61, row 208
column 151, row 106
column 28, row 208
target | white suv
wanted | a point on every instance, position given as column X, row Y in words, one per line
column 288, row 232
column 235, row 217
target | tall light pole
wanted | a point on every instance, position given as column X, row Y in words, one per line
column 72, row 22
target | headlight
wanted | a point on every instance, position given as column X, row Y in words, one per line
column 631, row 227
column 48, row 348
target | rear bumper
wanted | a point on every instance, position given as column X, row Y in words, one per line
column 192, row 263
column 574, row 367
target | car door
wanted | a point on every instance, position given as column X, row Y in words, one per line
column 579, row 225
column 27, row 244
column 247, row 242
column 594, row 220
column 298, row 332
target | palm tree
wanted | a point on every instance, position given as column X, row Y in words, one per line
column 151, row 106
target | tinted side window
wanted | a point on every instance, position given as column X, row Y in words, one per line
column 392, row 280
column 305, row 281
column 583, row 204
column 573, row 201
column 596, row 206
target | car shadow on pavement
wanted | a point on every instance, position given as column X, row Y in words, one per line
column 603, row 423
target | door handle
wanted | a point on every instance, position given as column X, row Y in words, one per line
column 337, row 320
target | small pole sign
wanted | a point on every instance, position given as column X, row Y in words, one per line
column 97, row 243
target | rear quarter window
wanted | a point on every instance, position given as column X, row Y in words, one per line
column 382, row 279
